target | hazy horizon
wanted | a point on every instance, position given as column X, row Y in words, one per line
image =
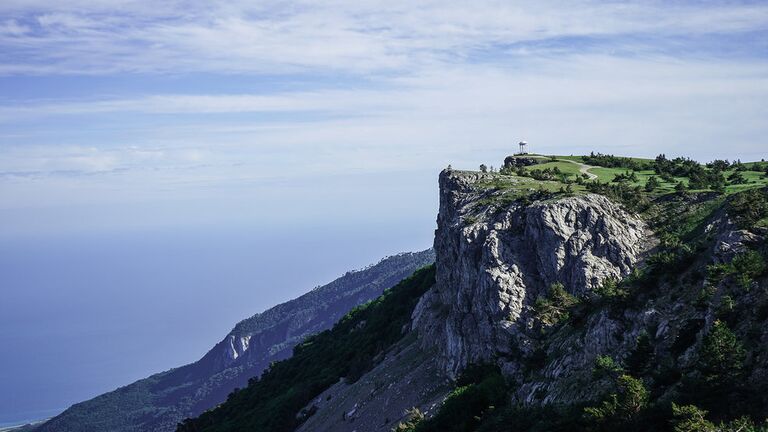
column 113, row 308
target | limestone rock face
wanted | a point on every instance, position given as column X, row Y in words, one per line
column 493, row 261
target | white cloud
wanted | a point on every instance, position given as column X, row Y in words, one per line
column 359, row 37
column 438, row 117
column 432, row 83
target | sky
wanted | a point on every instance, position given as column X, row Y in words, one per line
column 184, row 122
column 118, row 113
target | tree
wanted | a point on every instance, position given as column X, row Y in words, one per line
column 641, row 358
column 719, row 187
column 737, row 178
column 721, row 358
column 483, row 168
column 605, row 365
column 750, row 264
column 680, row 188
column 553, row 308
column 719, row 164
column 651, row 184
column 750, row 206
column 689, row 418
column 611, row 289
column 624, row 405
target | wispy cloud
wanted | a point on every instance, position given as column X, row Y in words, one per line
column 334, row 88
column 360, row 37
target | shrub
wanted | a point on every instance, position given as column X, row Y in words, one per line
column 555, row 307
column 413, row 417
column 611, row 289
column 606, row 366
column 624, row 405
column 651, row 184
column 749, row 206
column 689, row 418
column 480, row 390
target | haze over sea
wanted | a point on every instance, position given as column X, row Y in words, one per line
column 110, row 308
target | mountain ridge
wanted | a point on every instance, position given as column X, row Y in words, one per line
column 159, row 402
column 562, row 303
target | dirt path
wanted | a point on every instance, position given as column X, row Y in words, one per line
column 583, row 168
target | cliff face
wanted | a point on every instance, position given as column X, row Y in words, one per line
column 159, row 402
column 494, row 261
column 522, row 282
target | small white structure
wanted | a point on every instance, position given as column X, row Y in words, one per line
column 522, row 145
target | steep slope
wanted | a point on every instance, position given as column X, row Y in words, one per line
column 355, row 345
column 159, row 402
column 633, row 309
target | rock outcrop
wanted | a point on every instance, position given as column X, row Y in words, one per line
column 494, row 261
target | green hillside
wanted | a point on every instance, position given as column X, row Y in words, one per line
column 347, row 351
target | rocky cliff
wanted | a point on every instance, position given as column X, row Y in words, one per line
column 158, row 403
column 494, row 261
column 549, row 309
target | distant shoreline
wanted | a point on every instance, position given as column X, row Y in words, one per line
column 21, row 425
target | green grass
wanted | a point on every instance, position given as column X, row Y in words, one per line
column 508, row 188
column 754, row 179
column 606, row 175
column 566, row 167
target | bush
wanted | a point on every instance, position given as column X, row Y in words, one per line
column 689, row 418
column 749, row 206
column 611, row 289
column 651, row 184
column 623, row 406
column 413, row 417
column 606, row 366
column 480, row 390
column 555, row 307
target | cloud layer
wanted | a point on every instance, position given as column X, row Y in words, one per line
column 370, row 37
column 110, row 100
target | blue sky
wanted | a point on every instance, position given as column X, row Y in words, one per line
column 124, row 103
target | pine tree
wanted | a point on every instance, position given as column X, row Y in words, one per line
column 721, row 357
